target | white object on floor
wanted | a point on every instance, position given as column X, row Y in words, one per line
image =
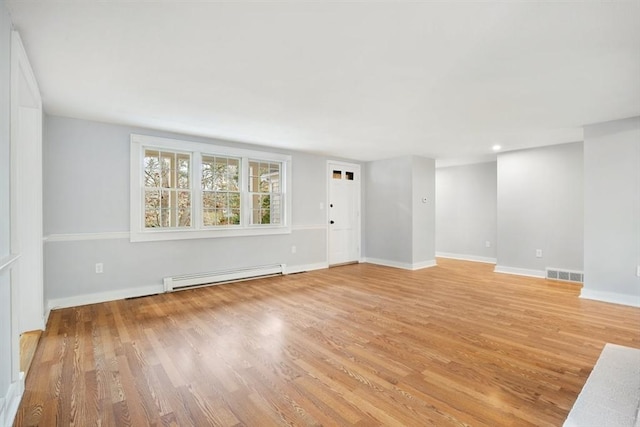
column 611, row 395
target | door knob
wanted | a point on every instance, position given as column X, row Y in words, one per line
column 331, row 222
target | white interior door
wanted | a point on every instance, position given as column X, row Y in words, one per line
column 344, row 213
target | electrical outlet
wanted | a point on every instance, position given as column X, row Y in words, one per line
column 538, row 253
column 487, row 244
column 99, row 268
column 293, row 249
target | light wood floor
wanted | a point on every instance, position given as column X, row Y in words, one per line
column 355, row 345
column 28, row 344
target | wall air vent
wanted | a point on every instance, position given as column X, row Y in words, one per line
column 576, row 277
column 565, row 275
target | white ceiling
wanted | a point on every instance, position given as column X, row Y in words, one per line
column 361, row 80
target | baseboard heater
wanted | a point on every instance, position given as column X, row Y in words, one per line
column 188, row 281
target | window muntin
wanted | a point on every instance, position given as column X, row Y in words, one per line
column 206, row 190
column 167, row 189
column 221, row 198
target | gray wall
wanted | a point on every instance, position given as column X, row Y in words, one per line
column 388, row 210
column 540, row 206
column 424, row 214
column 399, row 228
column 5, row 226
column 86, row 188
column 466, row 210
column 612, row 211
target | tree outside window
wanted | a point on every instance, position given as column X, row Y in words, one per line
column 167, row 189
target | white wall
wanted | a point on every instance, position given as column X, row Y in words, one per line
column 540, row 206
column 612, row 211
column 11, row 381
column 400, row 229
column 5, row 107
column 86, row 187
column 5, row 225
column 466, row 210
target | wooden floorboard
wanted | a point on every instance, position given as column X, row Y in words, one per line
column 28, row 344
column 361, row 345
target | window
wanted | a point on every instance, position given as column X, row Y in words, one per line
column 264, row 186
column 167, row 189
column 220, row 191
column 183, row 190
column 337, row 174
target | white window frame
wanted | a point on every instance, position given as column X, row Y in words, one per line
column 138, row 232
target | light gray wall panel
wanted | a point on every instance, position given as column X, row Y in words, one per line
column 5, row 121
column 5, row 224
column 540, row 206
column 86, row 183
column 424, row 215
column 612, row 207
column 388, row 207
column 309, row 190
column 86, row 176
column 399, row 227
column 86, row 169
column 70, row 265
column 466, row 209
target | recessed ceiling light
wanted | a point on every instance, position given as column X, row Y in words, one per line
column 496, row 147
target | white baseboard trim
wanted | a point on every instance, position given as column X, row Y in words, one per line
column 465, row 257
column 38, row 325
column 292, row 269
column 402, row 265
column 612, row 297
column 98, row 297
column 11, row 401
column 424, row 264
column 519, row 271
column 387, row 263
column 47, row 312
